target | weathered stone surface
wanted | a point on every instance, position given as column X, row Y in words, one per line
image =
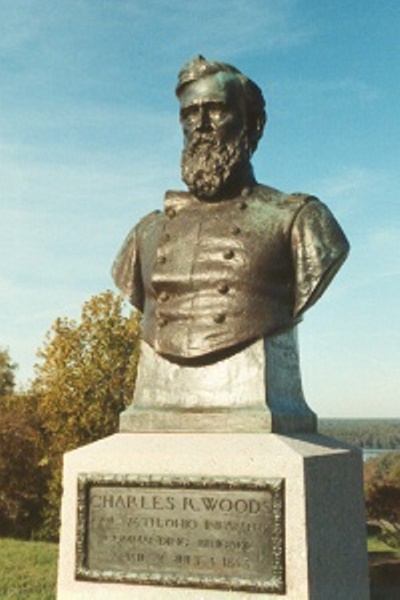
column 325, row 537
column 210, row 533
column 257, row 389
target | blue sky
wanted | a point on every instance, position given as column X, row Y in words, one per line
column 90, row 140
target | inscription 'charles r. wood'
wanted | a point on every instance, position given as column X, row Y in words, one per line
column 211, row 533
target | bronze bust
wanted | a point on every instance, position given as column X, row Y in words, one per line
column 230, row 261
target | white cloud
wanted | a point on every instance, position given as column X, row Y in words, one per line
column 228, row 27
column 387, row 239
column 350, row 182
column 357, row 193
column 345, row 89
column 256, row 25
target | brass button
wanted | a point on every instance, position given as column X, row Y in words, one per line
column 223, row 288
column 162, row 259
column 171, row 212
column 228, row 254
column 235, row 230
column 162, row 321
column 163, row 296
column 243, row 205
column 219, row 318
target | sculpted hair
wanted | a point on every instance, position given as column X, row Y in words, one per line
column 256, row 116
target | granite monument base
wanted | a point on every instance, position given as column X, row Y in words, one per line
column 212, row 517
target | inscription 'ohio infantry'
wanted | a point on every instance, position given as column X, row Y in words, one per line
column 181, row 531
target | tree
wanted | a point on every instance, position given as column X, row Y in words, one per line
column 7, row 378
column 382, row 492
column 84, row 379
column 21, row 476
column 383, row 505
column 385, row 467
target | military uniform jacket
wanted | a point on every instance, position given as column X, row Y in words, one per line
column 211, row 275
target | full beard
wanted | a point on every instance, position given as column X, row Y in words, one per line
column 209, row 167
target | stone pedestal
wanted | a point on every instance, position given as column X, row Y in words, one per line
column 322, row 526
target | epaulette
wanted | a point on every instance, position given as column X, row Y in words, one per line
column 301, row 196
column 147, row 219
column 149, row 216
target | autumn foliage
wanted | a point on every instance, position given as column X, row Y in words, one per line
column 382, row 495
column 86, row 373
column 84, row 378
column 21, row 476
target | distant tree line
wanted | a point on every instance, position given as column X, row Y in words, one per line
column 381, row 434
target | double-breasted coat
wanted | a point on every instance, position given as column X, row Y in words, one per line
column 209, row 276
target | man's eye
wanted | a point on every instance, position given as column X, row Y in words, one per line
column 189, row 115
column 217, row 114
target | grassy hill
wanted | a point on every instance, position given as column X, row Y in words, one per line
column 28, row 570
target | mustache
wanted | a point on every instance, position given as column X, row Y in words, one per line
column 199, row 138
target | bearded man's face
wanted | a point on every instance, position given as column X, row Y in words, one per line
column 216, row 142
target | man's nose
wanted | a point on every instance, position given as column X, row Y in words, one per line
column 203, row 119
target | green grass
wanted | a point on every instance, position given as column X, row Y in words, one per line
column 28, row 570
column 376, row 545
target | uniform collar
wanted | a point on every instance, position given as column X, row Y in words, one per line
column 177, row 200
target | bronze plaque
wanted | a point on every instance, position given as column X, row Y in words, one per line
column 209, row 533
